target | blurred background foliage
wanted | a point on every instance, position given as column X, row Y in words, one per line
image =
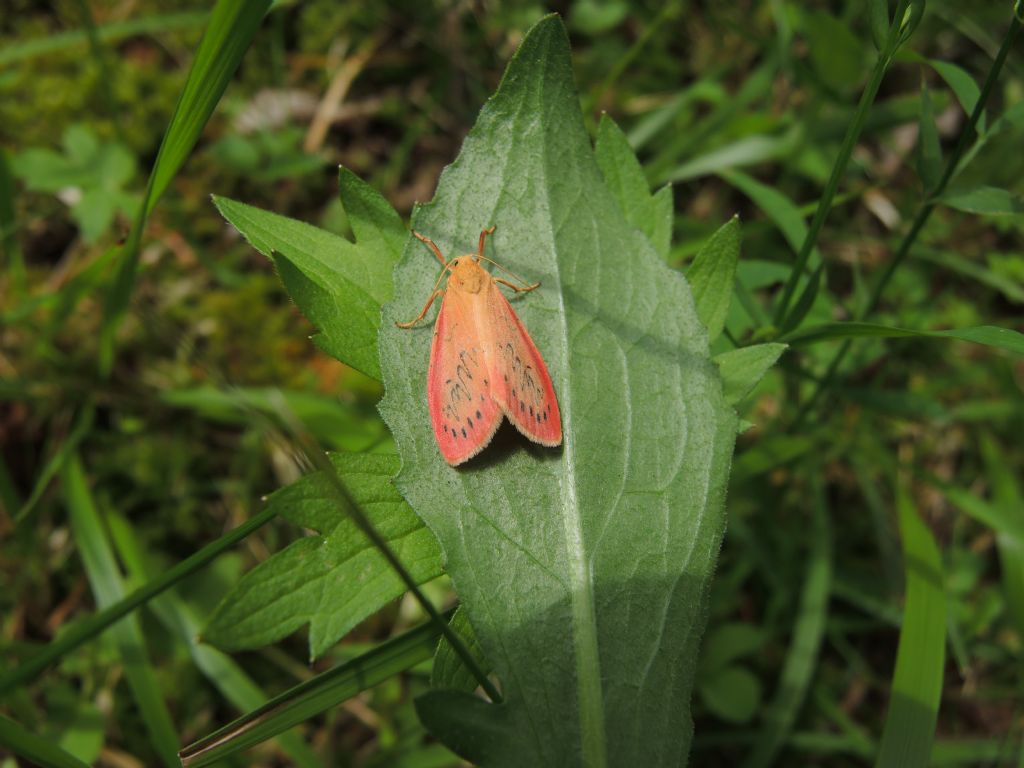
column 742, row 106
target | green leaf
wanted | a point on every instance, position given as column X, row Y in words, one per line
column 920, row 657
column 150, row 24
column 334, row 580
column 331, row 421
column 732, row 693
column 779, row 208
column 231, row 27
column 989, row 335
column 879, row 18
column 743, row 368
column 10, row 249
column 36, row 749
column 313, row 697
column 749, row 150
column 448, row 670
column 1008, row 498
column 728, row 643
column 712, row 273
column 929, row 151
column 377, row 226
column 108, row 587
column 805, row 302
column 963, row 86
column 338, row 285
column 182, row 621
column 88, row 628
column 805, row 644
column 651, row 214
column 987, row 200
column 836, row 53
column 1010, row 288
column 583, row 569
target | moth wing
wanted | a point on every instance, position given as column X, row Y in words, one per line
column 463, row 412
column 520, row 380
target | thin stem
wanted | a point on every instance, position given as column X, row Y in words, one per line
column 317, row 456
column 923, row 213
column 842, row 160
column 89, row 628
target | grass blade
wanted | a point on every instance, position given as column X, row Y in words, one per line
column 808, row 631
column 25, row 50
column 107, row 586
column 14, row 260
column 921, row 655
column 35, row 749
column 181, row 620
column 892, row 42
column 315, row 696
column 232, row 25
column 85, row 630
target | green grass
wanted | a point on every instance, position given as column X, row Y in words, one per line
column 846, row 211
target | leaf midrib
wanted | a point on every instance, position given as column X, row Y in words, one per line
column 588, row 666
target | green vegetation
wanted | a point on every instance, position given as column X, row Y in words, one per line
column 781, row 255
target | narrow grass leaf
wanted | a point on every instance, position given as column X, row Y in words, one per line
column 921, row 654
column 991, row 201
column 105, row 579
column 805, row 301
column 334, row 580
column 750, row 150
column 776, row 206
column 182, row 621
column 805, row 644
column 339, row 286
column 879, row 19
column 836, row 53
column 929, row 151
column 37, row 750
column 590, row 623
column 88, row 628
column 13, row 259
column 337, row 424
column 651, row 214
column 231, row 27
column 315, row 696
column 16, row 51
column 989, row 335
column 1008, row 497
column 712, row 274
column 81, row 428
column 743, row 368
column 1011, row 289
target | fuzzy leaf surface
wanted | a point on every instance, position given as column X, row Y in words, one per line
column 583, row 569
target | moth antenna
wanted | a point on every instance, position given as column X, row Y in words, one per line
column 508, row 272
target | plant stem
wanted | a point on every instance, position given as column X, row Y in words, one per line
column 317, row 456
column 923, row 213
column 842, row 160
column 95, row 624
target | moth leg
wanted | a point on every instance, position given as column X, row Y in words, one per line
column 426, row 307
column 432, row 245
column 483, row 237
column 517, row 288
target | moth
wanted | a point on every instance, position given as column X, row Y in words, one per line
column 483, row 363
